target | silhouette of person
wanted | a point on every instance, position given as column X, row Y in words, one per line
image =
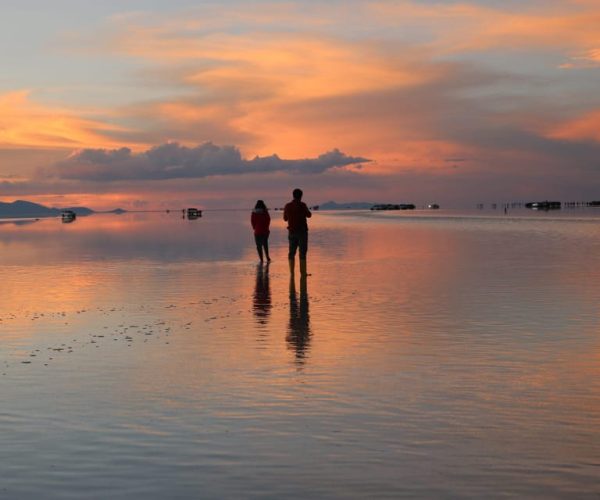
column 261, row 303
column 299, row 333
column 295, row 214
column 261, row 220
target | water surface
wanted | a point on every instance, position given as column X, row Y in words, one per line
column 428, row 355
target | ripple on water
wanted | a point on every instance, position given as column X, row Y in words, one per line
column 446, row 357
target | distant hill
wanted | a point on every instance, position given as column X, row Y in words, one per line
column 21, row 208
column 355, row 205
column 79, row 210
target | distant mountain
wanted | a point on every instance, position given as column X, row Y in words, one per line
column 355, row 205
column 78, row 210
column 21, row 208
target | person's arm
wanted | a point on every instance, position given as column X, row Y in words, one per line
column 253, row 220
column 307, row 211
column 268, row 219
column 285, row 213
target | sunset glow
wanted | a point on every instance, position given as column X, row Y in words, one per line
column 461, row 101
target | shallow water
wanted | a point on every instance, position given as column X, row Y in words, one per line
column 428, row 355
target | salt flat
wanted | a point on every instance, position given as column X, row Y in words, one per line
column 427, row 355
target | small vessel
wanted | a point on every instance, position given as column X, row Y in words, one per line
column 544, row 205
column 68, row 216
column 433, row 206
column 193, row 213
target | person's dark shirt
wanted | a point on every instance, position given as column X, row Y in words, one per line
column 260, row 220
column 295, row 214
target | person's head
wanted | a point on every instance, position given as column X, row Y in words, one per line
column 297, row 194
column 260, row 204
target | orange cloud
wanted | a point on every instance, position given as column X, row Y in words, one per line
column 583, row 128
column 572, row 26
column 287, row 66
column 245, row 81
column 398, row 82
column 25, row 123
column 237, row 80
column 587, row 59
column 96, row 201
column 243, row 84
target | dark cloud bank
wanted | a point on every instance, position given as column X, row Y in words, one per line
column 174, row 161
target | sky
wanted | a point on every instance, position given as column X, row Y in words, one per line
column 171, row 103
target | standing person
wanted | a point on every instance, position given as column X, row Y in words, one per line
column 261, row 220
column 295, row 214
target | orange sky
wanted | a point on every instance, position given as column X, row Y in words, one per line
column 481, row 95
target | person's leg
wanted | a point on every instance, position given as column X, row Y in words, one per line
column 293, row 240
column 303, row 246
column 266, row 245
column 258, row 241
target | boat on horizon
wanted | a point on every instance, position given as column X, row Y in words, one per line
column 544, row 205
column 68, row 216
column 193, row 213
column 393, row 206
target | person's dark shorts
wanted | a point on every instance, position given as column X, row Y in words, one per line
column 297, row 241
column 262, row 240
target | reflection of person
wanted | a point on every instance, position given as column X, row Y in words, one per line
column 295, row 214
column 261, row 303
column 298, row 337
column 261, row 220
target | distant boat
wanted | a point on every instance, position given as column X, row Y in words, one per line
column 392, row 206
column 544, row 205
column 433, row 206
column 193, row 213
column 68, row 216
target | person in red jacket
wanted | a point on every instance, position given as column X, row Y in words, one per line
column 295, row 214
column 261, row 220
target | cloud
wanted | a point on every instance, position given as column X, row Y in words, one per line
column 415, row 85
column 581, row 128
column 450, row 27
column 25, row 123
column 587, row 59
column 174, row 161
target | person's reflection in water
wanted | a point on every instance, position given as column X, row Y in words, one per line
column 298, row 337
column 261, row 303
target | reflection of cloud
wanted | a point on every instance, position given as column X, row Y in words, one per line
column 126, row 237
column 173, row 161
column 23, row 222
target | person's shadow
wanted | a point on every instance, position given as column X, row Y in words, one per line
column 261, row 302
column 298, row 337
